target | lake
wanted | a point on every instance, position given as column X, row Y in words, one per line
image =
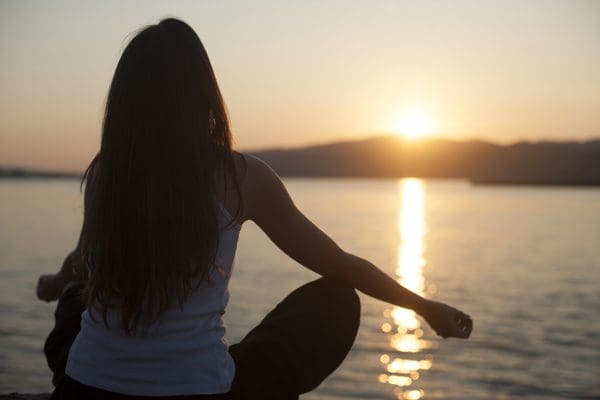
column 524, row 262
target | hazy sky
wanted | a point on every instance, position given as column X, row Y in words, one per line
column 302, row 72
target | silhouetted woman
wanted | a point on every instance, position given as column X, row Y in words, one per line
column 165, row 198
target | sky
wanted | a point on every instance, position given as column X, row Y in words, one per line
column 305, row 72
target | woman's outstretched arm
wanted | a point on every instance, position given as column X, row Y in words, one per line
column 268, row 204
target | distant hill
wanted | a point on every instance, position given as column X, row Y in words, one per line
column 20, row 173
column 572, row 163
column 552, row 163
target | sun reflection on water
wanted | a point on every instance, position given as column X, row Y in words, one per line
column 404, row 328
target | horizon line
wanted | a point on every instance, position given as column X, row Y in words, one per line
column 580, row 140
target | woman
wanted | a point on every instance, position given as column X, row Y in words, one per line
column 165, row 198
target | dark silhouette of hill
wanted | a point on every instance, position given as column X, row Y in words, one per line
column 573, row 163
column 20, row 173
column 551, row 163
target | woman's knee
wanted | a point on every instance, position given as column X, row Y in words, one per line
column 67, row 319
column 341, row 300
column 342, row 291
column 324, row 304
column 314, row 327
column 337, row 317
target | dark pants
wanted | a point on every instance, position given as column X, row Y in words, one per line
column 294, row 348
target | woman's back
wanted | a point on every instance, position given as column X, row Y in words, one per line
column 183, row 352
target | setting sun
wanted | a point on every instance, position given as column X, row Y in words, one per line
column 413, row 124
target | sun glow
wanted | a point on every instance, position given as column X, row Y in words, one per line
column 413, row 124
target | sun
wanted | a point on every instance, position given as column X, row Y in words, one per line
column 413, row 124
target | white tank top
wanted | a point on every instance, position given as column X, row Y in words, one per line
column 185, row 352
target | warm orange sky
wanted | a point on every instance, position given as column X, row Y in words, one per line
column 313, row 71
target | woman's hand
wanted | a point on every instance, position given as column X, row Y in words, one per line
column 447, row 321
column 50, row 287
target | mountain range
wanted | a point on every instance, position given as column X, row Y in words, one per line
column 544, row 162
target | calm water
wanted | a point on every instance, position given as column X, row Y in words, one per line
column 523, row 262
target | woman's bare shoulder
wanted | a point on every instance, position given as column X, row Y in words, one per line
column 244, row 177
column 254, row 178
column 262, row 189
column 251, row 169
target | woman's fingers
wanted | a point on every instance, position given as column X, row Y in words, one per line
column 40, row 292
column 37, row 289
column 464, row 326
column 469, row 326
column 47, row 288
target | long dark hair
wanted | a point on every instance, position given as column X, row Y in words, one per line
column 150, row 229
